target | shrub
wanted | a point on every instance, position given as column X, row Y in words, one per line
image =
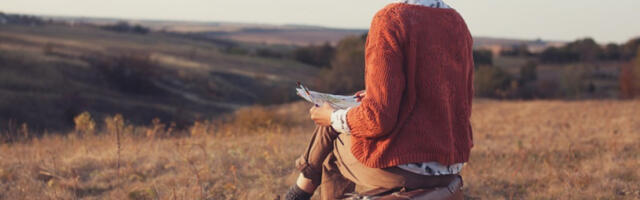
column 346, row 74
column 627, row 89
column 611, row 52
column 631, row 49
column 492, row 82
column 558, row 55
column 527, row 82
column 131, row 73
column 125, row 27
column 482, row 57
column 84, row 124
column 585, row 50
column 630, row 79
column 546, row 89
column 115, row 124
column 520, row 50
column 156, row 129
column 636, row 72
column 319, row 56
column 21, row 19
column 574, row 82
column 528, row 72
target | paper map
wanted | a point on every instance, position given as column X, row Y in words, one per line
column 336, row 101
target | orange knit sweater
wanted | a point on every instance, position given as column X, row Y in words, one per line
column 418, row 76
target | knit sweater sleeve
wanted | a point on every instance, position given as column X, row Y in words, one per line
column 376, row 116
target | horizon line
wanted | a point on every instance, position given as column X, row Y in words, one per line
column 149, row 19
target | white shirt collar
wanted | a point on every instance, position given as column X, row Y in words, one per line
column 428, row 3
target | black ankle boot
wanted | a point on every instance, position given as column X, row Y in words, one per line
column 295, row 193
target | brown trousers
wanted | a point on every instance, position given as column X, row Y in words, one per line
column 328, row 162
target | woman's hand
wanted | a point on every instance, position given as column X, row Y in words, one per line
column 359, row 95
column 322, row 115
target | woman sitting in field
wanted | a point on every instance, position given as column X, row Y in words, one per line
column 412, row 127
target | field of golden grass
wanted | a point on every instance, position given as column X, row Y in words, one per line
column 523, row 150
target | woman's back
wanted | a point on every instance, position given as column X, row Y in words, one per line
column 419, row 70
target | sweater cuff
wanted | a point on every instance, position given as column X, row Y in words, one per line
column 339, row 121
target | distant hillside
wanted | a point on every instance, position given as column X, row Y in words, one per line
column 496, row 45
column 53, row 68
column 50, row 73
column 287, row 34
column 241, row 32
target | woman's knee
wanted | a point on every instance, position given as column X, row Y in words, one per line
column 327, row 132
column 309, row 171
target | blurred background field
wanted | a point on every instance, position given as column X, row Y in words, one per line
column 98, row 108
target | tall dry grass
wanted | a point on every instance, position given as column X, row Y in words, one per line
column 524, row 150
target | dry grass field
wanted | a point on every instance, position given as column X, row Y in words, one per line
column 523, row 150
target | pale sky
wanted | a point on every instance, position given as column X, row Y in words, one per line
column 606, row 21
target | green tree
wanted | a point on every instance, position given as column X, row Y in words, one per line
column 482, row 57
column 84, row 124
column 575, row 81
column 611, row 52
column 558, row 55
column 630, row 78
column 528, row 72
column 319, row 56
column 636, row 72
column 631, row 49
column 492, row 82
column 587, row 49
column 521, row 50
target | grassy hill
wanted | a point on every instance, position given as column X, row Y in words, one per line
column 523, row 150
column 281, row 34
column 50, row 73
column 243, row 32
